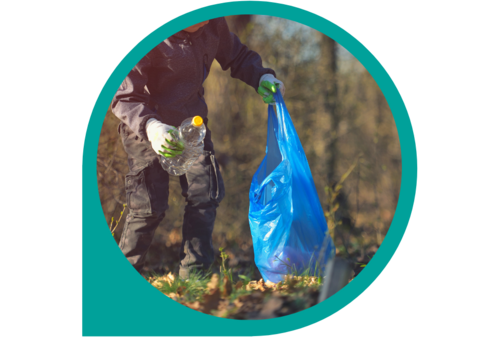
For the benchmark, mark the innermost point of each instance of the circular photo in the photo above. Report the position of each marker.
(249, 167)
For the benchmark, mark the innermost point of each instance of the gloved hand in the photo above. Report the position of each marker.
(269, 85)
(164, 138)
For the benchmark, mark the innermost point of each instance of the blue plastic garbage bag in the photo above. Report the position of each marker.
(289, 230)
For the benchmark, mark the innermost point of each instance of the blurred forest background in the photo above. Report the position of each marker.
(341, 117)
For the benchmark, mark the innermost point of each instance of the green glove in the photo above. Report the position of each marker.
(164, 138)
(265, 90)
(268, 86)
(176, 146)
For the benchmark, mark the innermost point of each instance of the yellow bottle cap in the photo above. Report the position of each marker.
(197, 121)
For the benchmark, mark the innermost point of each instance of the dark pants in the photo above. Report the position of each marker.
(146, 188)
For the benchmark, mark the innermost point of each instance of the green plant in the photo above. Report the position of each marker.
(224, 271)
(364, 264)
(191, 289)
(312, 269)
(244, 278)
(248, 276)
(116, 221)
(332, 194)
(291, 268)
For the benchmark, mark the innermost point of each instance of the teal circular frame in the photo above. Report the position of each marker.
(130, 306)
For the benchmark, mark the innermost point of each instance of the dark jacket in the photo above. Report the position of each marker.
(167, 83)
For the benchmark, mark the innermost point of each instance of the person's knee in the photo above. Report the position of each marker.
(147, 192)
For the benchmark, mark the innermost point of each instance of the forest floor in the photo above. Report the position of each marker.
(240, 292)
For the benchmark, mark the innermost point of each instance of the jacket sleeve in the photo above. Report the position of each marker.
(131, 101)
(244, 63)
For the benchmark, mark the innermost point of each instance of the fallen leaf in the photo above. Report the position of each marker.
(170, 278)
(271, 306)
(248, 305)
(271, 285)
(251, 285)
(237, 302)
(256, 285)
(195, 305)
(257, 295)
(220, 313)
(157, 284)
(227, 287)
(224, 305)
(291, 281)
(261, 288)
(213, 284)
(211, 301)
(181, 290)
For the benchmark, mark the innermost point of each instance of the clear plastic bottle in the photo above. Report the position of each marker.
(191, 132)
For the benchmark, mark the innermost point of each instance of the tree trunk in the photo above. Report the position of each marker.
(330, 93)
(329, 73)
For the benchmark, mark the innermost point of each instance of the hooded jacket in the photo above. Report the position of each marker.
(167, 83)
